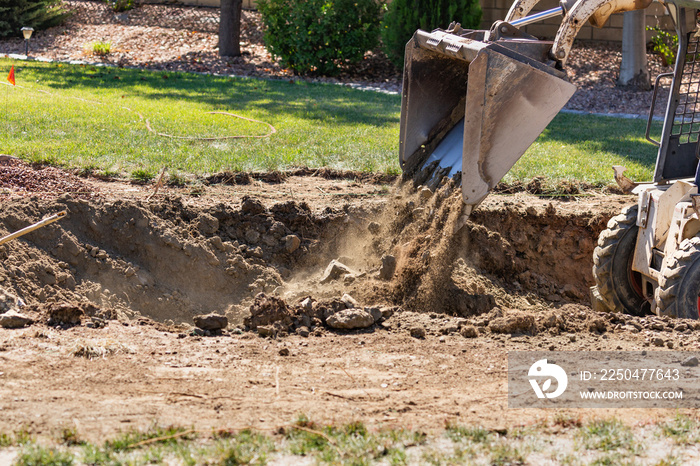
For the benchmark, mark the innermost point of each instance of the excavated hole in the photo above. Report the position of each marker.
(167, 260)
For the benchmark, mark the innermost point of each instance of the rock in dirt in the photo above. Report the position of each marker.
(350, 319)
(469, 331)
(8, 301)
(388, 267)
(291, 243)
(13, 319)
(374, 227)
(514, 323)
(334, 271)
(425, 193)
(284, 352)
(417, 332)
(690, 362)
(375, 312)
(349, 301)
(658, 341)
(266, 330)
(211, 322)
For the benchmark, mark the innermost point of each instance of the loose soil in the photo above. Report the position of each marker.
(113, 288)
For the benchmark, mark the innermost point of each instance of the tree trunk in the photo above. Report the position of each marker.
(230, 28)
(633, 69)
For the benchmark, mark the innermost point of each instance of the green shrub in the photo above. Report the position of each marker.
(403, 17)
(38, 14)
(665, 44)
(320, 36)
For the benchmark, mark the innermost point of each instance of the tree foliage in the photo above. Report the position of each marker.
(403, 17)
(320, 36)
(38, 14)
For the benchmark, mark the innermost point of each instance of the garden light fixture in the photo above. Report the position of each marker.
(27, 33)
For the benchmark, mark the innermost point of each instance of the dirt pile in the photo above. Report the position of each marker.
(162, 260)
(172, 259)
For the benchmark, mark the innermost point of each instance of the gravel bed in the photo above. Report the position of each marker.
(149, 37)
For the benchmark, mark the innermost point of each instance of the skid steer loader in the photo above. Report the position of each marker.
(474, 100)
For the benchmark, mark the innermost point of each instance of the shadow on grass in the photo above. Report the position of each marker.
(618, 136)
(322, 102)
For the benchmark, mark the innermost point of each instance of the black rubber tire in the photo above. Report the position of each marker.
(619, 287)
(679, 286)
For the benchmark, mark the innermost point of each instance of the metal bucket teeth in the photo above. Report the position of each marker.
(474, 107)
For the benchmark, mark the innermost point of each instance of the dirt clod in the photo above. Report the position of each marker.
(66, 313)
(417, 332)
(291, 243)
(514, 322)
(267, 311)
(388, 267)
(469, 331)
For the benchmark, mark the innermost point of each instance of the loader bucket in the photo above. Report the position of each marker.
(473, 107)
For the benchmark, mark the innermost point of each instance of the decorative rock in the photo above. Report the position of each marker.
(349, 301)
(417, 332)
(350, 319)
(211, 322)
(469, 331)
(690, 362)
(386, 271)
(291, 243)
(13, 319)
(334, 271)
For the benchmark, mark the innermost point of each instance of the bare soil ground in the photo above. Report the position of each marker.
(112, 290)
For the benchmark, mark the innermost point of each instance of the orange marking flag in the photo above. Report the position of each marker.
(11, 76)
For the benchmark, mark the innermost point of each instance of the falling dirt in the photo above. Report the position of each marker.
(344, 300)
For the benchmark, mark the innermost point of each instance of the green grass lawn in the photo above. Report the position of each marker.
(317, 125)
